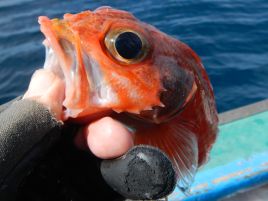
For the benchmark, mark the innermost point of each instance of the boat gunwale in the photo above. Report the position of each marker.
(243, 112)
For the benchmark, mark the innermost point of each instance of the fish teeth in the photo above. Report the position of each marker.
(134, 111)
(148, 108)
(117, 110)
(163, 89)
(46, 43)
(161, 104)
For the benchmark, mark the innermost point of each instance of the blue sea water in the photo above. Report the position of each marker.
(230, 36)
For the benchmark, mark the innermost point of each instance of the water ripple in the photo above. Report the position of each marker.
(229, 35)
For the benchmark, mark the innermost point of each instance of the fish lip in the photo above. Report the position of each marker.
(52, 43)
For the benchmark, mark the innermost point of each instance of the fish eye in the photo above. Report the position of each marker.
(126, 46)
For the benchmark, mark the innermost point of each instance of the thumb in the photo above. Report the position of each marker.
(48, 89)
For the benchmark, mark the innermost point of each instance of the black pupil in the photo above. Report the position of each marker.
(128, 45)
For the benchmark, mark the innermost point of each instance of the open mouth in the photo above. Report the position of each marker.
(85, 87)
(60, 59)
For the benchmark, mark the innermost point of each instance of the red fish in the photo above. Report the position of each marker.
(114, 64)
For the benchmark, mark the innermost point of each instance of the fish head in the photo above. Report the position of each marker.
(111, 61)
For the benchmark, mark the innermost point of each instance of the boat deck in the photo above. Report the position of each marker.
(238, 161)
(256, 194)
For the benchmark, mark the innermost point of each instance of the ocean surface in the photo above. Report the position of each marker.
(230, 36)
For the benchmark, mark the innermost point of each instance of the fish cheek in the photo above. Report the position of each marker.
(179, 87)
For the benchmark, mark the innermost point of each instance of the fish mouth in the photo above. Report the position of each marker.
(59, 59)
(85, 87)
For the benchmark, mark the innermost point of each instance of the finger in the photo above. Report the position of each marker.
(47, 88)
(106, 138)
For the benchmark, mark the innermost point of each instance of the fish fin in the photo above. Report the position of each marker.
(184, 157)
(180, 144)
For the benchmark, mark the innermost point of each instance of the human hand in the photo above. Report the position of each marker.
(40, 114)
(106, 137)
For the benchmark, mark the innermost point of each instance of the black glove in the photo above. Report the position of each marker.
(144, 173)
(27, 131)
(29, 137)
